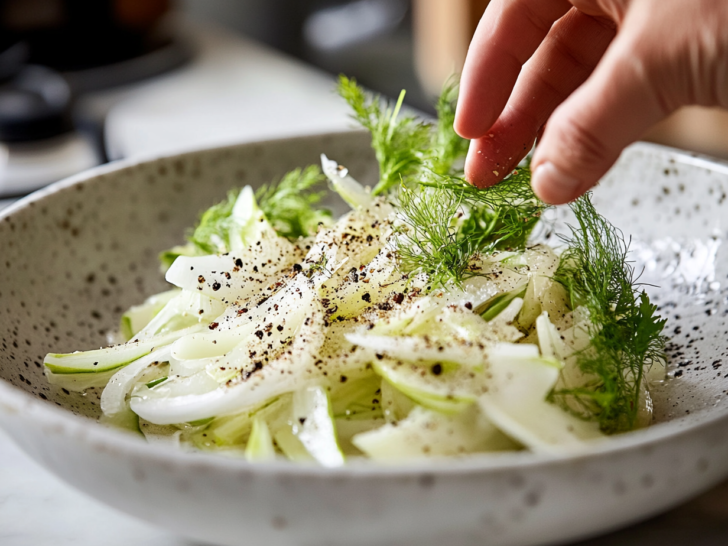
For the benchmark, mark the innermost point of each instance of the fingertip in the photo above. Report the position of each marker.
(467, 125)
(496, 155)
(474, 113)
(554, 186)
(460, 127)
(478, 168)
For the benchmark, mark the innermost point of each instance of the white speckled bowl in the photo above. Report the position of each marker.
(74, 255)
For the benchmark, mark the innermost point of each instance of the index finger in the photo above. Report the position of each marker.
(507, 35)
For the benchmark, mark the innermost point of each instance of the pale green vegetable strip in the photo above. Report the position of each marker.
(347, 429)
(357, 399)
(230, 431)
(185, 308)
(178, 386)
(113, 399)
(271, 381)
(422, 349)
(294, 303)
(314, 426)
(508, 315)
(167, 257)
(516, 402)
(260, 444)
(237, 276)
(395, 404)
(138, 316)
(549, 339)
(248, 221)
(441, 387)
(110, 358)
(426, 433)
(500, 303)
(291, 446)
(349, 189)
(79, 382)
(234, 430)
(353, 295)
(125, 420)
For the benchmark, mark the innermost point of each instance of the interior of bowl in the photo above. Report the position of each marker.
(672, 205)
(74, 257)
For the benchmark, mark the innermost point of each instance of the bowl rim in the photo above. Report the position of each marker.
(14, 401)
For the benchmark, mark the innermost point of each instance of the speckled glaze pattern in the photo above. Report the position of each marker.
(73, 256)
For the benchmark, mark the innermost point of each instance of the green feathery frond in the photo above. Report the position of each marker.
(448, 148)
(289, 205)
(448, 222)
(625, 331)
(210, 235)
(505, 213)
(430, 242)
(398, 141)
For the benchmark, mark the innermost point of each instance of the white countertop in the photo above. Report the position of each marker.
(37, 509)
(234, 90)
(241, 91)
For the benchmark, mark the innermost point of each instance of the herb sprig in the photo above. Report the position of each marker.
(625, 331)
(448, 222)
(398, 141)
(447, 147)
(504, 214)
(210, 235)
(430, 241)
(289, 205)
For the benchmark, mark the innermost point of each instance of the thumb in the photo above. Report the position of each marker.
(587, 133)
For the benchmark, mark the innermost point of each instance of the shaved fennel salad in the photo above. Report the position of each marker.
(425, 322)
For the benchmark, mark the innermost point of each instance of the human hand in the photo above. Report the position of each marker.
(600, 71)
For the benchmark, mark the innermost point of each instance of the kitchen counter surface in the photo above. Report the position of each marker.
(36, 508)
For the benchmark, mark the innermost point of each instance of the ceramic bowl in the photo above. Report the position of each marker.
(73, 256)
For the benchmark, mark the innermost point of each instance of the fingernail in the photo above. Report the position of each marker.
(553, 185)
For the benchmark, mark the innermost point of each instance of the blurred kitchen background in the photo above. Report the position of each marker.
(83, 82)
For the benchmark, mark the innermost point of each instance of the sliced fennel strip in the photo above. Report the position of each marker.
(113, 398)
(110, 358)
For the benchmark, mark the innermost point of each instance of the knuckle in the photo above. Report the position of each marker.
(652, 73)
(582, 147)
(611, 11)
(655, 74)
(688, 68)
(535, 18)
